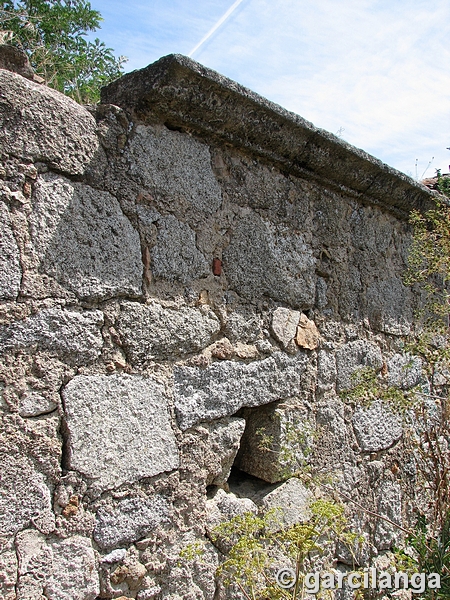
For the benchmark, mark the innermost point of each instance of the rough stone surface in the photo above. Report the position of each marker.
(84, 241)
(292, 498)
(35, 564)
(39, 123)
(129, 520)
(353, 356)
(308, 335)
(376, 427)
(151, 331)
(74, 575)
(266, 260)
(33, 404)
(16, 60)
(326, 370)
(154, 264)
(390, 506)
(334, 443)
(243, 325)
(72, 336)
(277, 440)
(118, 428)
(175, 167)
(10, 270)
(223, 507)
(115, 556)
(389, 306)
(189, 95)
(8, 570)
(404, 371)
(225, 437)
(223, 388)
(284, 324)
(175, 256)
(25, 496)
(57, 570)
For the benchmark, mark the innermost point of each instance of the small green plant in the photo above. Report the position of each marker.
(427, 554)
(443, 183)
(260, 544)
(193, 551)
(368, 386)
(292, 448)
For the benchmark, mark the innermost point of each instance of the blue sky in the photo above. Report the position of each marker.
(376, 72)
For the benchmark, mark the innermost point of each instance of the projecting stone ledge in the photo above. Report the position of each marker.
(181, 93)
(225, 387)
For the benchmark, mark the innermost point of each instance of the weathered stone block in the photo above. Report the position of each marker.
(376, 428)
(390, 306)
(308, 335)
(8, 570)
(176, 167)
(353, 356)
(390, 506)
(225, 437)
(175, 256)
(10, 270)
(39, 123)
(333, 443)
(16, 60)
(292, 498)
(326, 370)
(33, 404)
(267, 260)
(72, 336)
(151, 331)
(225, 387)
(129, 520)
(74, 570)
(405, 371)
(277, 441)
(25, 497)
(118, 429)
(243, 325)
(35, 564)
(284, 324)
(223, 507)
(84, 241)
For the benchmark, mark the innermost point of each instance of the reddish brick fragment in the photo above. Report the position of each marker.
(217, 266)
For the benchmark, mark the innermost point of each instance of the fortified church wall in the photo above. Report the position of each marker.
(183, 268)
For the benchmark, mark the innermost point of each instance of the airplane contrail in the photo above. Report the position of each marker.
(216, 26)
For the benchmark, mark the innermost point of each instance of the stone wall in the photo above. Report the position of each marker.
(181, 268)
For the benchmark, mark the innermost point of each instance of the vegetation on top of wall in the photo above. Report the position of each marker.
(426, 408)
(53, 35)
(429, 269)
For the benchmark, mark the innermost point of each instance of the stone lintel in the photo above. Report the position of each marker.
(185, 95)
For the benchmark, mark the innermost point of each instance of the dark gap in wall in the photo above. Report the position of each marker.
(259, 448)
(173, 127)
(244, 485)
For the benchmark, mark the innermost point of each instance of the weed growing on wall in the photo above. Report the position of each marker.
(260, 544)
(425, 408)
(292, 451)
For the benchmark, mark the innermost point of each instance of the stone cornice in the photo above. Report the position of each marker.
(185, 95)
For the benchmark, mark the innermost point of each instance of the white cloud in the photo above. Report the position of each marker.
(377, 68)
